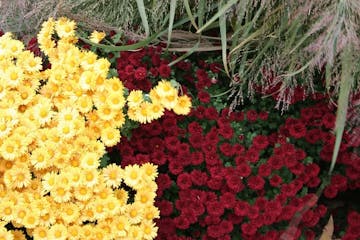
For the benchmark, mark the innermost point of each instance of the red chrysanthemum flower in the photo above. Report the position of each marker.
(255, 182)
(184, 181)
(140, 73)
(164, 70)
(215, 208)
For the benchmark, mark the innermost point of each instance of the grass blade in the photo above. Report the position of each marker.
(142, 12)
(222, 25)
(346, 83)
(220, 12)
(185, 55)
(190, 15)
(171, 20)
(201, 12)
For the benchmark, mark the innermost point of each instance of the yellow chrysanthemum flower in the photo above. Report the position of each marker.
(156, 110)
(150, 213)
(120, 226)
(96, 36)
(106, 112)
(88, 59)
(83, 193)
(74, 232)
(183, 105)
(102, 66)
(6, 235)
(164, 88)
(170, 100)
(122, 195)
(14, 76)
(7, 210)
(43, 111)
(134, 212)
(69, 212)
(90, 177)
(133, 175)
(65, 28)
(14, 47)
(18, 234)
(114, 85)
(150, 171)
(116, 101)
(18, 176)
(149, 230)
(89, 160)
(113, 175)
(58, 232)
(135, 98)
(60, 192)
(110, 136)
(41, 233)
(27, 61)
(40, 158)
(143, 113)
(145, 197)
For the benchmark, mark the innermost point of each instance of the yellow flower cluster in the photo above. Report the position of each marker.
(54, 127)
(145, 108)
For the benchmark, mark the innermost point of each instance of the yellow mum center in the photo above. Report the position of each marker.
(69, 211)
(32, 63)
(149, 216)
(60, 192)
(115, 87)
(58, 234)
(31, 220)
(143, 199)
(42, 233)
(43, 113)
(66, 130)
(9, 149)
(115, 101)
(24, 95)
(112, 175)
(89, 177)
(107, 111)
(147, 230)
(83, 191)
(8, 211)
(133, 213)
(68, 117)
(67, 29)
(90, 60)
(133, 175)
(99, 208)
(120, 226)
(40, 158)
(2, 127)
(21, 214)
(14, 76)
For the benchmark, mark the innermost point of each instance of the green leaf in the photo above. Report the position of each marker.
(112, 73)
(182, 57)
(142, 12)
(104, 160)
(201, 12)
(171, 20)
(346, 83)
(190, 15)
(220, 12)
(222, 25)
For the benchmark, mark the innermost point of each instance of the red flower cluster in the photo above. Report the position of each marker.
(353, 229)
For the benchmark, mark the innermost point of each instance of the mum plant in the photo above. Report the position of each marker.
(252, 173)
(54, 126)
